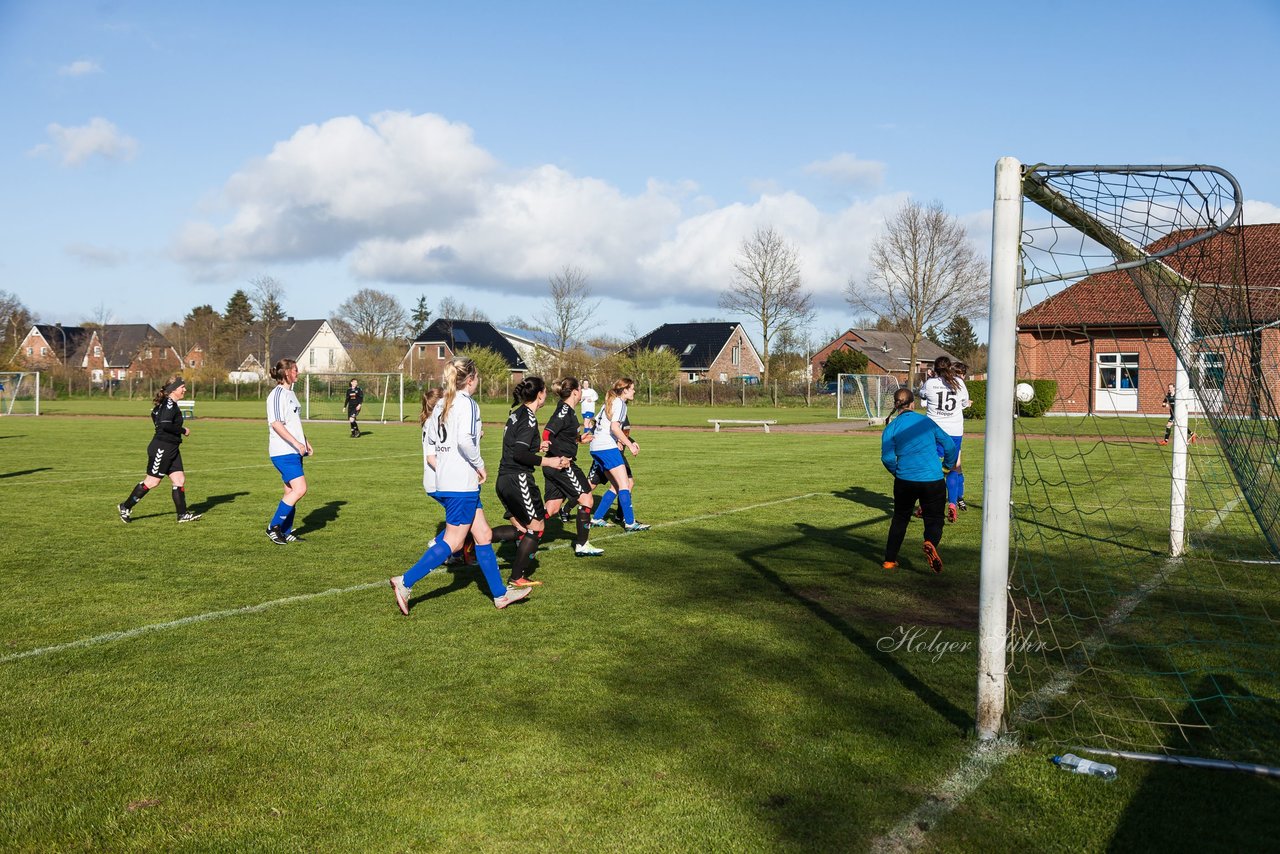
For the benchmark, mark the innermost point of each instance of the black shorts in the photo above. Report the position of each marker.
(520, 496)
(351, 412)
(163, 458)
(565, 485)
(600, 477)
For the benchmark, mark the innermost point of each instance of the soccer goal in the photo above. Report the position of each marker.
(1130, 588)
(19, 392)
(324, 396)
(868, 396)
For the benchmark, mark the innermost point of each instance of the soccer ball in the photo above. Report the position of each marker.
(1024, 392)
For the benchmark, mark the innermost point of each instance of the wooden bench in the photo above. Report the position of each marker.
(737, 422)
(187, 408)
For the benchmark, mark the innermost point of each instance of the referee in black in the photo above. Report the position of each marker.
(355, 400)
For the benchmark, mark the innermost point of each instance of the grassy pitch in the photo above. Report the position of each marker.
(731, 680)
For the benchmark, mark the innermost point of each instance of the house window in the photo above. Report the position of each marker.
(97, 352)
(311, 357)
(693, 377)
(29, 350)
(164, 354)
(1118, 371)
(736, 355)
(331, 357)
(421, 349)
(440, 352)
(1210, 372)
(146, 354)
(44, 351)
(193, 363)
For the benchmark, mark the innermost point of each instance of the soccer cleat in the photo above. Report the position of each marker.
(962, 505)
(402, 594)
(635, 526)
(276, 536)
(1192, 438)
(932, 556)
(125, 513)
(1163, 442)
(952, 513)
(587, 550)
(514, 594)
(890, 564)
(189, 517)
(598, 523)
(524, 582)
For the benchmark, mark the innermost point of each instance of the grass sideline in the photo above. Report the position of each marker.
(717, 683)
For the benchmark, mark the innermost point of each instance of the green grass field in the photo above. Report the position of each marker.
(722, 682)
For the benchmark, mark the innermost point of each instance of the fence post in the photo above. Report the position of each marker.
(680, 394)
(650, 382)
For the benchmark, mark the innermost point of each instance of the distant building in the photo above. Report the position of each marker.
(311, 343)
(116, 351)
(716, 351)
(445, 338)
(887, 353)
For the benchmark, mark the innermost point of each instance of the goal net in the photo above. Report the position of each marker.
(1130, 598)
(864, 396)
(19, 393)
(324, 396)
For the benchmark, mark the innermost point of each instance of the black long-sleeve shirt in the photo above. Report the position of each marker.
(520, 443)
(168, 420)
(564, 433)
(355, 397)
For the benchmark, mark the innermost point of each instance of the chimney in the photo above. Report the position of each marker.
(289, 319)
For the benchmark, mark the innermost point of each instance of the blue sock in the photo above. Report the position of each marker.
(430, 559)
(955, 486)
(288, 520)
(624, 500)
(606, 501)
(489, 566)
(282, 513)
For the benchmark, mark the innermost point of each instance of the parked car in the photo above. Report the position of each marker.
(744, 379)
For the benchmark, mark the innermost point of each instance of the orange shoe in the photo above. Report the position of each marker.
(524, 582)
(1162, 442)
(932, 556)
(952, 513)
(890, 564)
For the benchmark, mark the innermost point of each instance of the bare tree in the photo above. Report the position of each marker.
(373, 316)
(924, 271)
(451, 309)
(766, 288)
(15, 320)
(268, 291)
(102, 316)
(568, 308)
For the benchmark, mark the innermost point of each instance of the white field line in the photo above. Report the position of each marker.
(129, 634)
(909, 833)
(124, 473)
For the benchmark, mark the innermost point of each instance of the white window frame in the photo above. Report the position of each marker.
(440, 352)
(1116, 397)
(311, 357)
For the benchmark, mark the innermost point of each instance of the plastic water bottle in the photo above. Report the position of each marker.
(1071, 762)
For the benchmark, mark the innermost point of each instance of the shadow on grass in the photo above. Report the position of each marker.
(1234, 810)
(14, 436)
(319, 517)
(24, 472)
(213, 501)
(867, 498)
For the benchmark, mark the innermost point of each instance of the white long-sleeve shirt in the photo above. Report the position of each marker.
(603, 439)
(945, 405)
(457, 445)
(283, 406)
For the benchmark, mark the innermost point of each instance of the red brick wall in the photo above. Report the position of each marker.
(749, 360)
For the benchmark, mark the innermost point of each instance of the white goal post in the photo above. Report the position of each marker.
(326, 394)
(864, 396)
(19, 392)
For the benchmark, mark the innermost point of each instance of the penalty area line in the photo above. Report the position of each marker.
(129, 634)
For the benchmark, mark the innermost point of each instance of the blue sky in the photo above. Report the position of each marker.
(159, 155)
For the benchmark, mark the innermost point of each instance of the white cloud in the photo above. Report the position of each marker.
(96, 256)
(1256, 212)
(413, 198)
(79, 68)
(846, 168)
(75, 145)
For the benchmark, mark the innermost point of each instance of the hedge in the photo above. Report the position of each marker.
(1046, 394)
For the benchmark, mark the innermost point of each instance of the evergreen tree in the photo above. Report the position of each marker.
(420, 317)
(237, 323)
(932, 334)
(959, 340)
(844, 361)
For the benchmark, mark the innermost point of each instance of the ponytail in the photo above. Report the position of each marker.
(566, 387)
(430, 398)
(171, 385)
(945, 371)
(277, 372)
(614, 393)
(902, 400)
(455, 376)
(526, 391)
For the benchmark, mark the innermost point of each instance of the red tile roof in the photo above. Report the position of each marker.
(1112, 299)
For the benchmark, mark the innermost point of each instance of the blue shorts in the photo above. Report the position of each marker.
(942, 452)
(587, 414)
(289, 466)
(609, 459)
(459, 507)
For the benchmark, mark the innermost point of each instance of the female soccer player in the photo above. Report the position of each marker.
(909, 450)
(453, 432)
(163, 457)
(588, 398)
(1170, 398)
(516, 486)
(355, 400)
(945, 398)
(562, 438)
(287, 445)
(606, 442)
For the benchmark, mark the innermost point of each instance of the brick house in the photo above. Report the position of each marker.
(313, 344)
(444, 338)
(888, 353)
(116, 351)
(195, 358)
(1100, 340)
(717, 351)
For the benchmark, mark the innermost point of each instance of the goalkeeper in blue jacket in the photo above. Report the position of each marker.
(909, 450)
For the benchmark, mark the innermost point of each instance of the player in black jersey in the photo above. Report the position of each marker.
(163, 457)
(516, 487)
(569, 485)
(355, 400)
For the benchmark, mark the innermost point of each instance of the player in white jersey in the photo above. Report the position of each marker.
(589, 398)
(453, 432)
(606, 445)
(945, 398)
(287, 445)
